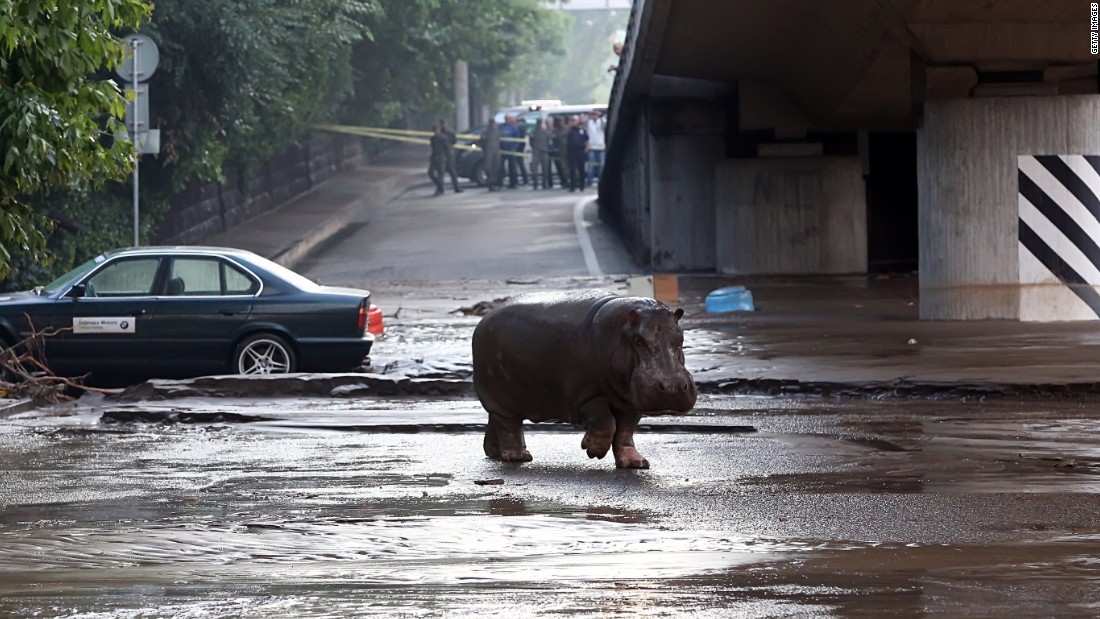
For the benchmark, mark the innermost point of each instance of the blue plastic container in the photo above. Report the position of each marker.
(732, 299)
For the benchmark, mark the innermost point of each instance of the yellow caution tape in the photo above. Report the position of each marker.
(404, 135)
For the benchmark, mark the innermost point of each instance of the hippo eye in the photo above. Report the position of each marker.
(639, 341)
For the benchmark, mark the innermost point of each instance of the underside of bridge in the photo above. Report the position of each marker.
(802, 136)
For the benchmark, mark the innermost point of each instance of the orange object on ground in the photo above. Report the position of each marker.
(374, 321)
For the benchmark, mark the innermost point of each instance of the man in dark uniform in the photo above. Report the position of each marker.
(540, 156)
(576, 148)
(521, 160)
(510, 146)
(438, 160)
(451, 141)
(490, 143)
(561, 133)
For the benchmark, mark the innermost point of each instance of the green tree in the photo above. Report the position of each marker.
(53, 118)
(405, 71)
(542, 66)
(587, 41)
(241, 80)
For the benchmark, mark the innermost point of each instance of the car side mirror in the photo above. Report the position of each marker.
(77, 292)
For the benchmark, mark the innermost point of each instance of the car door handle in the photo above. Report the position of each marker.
(228, 312)
(136, 312)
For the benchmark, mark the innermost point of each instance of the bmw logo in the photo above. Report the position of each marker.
(125, 324)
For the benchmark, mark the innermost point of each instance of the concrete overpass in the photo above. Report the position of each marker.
(800, 136)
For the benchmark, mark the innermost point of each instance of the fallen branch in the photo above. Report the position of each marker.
(25, 373)
(481, 307)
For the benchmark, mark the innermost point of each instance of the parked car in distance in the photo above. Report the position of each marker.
(527, 106)
(188, 311)
(534, 117)
(470, 163)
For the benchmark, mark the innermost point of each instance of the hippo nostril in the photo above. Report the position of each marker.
(661, 386)
(683, 386)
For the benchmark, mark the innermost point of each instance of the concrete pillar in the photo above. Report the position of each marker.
(1008, 208)
(686, 138)
(628, 209)
(462, 96)
(791, 215)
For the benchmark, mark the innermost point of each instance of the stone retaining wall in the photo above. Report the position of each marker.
(202, 211)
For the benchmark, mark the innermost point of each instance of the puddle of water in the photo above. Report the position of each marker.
(487, 566)
(239, 521)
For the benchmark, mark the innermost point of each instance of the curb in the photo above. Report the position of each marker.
(1085, 391)
(358, 385)
(289, 256)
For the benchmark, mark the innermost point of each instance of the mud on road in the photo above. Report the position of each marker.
(386, 506)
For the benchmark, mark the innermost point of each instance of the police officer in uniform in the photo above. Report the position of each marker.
(450, 164)
(576, 147)
(540, 156)
(438, 160)
(490, 143)
(561, 134)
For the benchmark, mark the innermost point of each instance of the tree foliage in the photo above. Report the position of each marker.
(405, 71)
(52, 117)
(579, 75)
(238, 81)
(243, 78)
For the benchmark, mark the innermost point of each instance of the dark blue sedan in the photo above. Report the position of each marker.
(189, 311)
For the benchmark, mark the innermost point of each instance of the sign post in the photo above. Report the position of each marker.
(139, 65)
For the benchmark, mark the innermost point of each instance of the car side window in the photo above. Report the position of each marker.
(194, 277)
(124, 278)
(207, 277)
(236, 282)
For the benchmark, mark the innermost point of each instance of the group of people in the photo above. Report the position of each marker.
(571, 146)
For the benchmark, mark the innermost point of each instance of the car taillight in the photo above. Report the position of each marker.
(362, 317)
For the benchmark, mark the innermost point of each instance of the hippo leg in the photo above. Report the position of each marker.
(492, 441)
(504, 440)
(626, 456)
(599, 427)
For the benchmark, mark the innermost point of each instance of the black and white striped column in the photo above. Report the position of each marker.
(1059, 237)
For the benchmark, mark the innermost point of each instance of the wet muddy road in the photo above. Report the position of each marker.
(754, 507)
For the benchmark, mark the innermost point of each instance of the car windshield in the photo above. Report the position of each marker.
(70, 277)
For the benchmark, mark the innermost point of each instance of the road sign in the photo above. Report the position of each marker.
(142, 56)
(140, 101)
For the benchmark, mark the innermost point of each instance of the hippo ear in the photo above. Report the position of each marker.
(632, 316)
(679, 313)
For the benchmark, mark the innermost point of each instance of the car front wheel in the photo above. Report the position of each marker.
(480, 176)
(264, 354)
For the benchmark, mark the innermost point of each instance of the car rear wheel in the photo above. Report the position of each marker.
(264, 353)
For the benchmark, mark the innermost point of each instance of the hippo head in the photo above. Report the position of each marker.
(650, 352)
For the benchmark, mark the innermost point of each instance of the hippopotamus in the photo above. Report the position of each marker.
(591, 358)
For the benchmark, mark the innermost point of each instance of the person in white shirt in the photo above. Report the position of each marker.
(597, 128)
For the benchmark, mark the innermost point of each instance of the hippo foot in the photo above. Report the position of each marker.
(629, 458)
(521, 455)
(595, 446)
